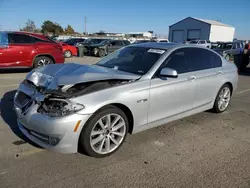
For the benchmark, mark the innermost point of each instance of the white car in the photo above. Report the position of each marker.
(204, 43)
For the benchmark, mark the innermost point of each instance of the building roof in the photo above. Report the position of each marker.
(210, 22)
(137, 33)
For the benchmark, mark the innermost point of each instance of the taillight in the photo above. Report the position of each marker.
(59, 47)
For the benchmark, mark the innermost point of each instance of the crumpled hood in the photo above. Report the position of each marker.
(54, 75)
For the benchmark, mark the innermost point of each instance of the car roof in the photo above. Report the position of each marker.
(157, 45)
(38, 35)
(165, 45)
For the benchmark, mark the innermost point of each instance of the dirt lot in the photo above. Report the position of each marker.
(204, 150)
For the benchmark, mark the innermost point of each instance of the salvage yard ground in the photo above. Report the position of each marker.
(204, 150)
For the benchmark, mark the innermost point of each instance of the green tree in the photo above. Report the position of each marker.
(29, 26)
(51, 27)
(69, 30)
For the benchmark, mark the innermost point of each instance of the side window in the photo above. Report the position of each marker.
(81, 40)
(234, 45)
(238, 45)
(177, 61)
(20, 39)
(112, 43)
(125, 42)
(215, 59)
(202, 59)
(118, 43)
(3, 39)
(202, 42)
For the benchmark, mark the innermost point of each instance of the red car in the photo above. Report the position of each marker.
(68, 50)
(23, 50)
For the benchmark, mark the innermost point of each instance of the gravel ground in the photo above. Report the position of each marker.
(204, 150)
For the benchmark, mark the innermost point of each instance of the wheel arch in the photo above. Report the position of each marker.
(125, 109)
(231, 86)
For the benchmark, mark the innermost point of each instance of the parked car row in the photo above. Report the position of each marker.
(98, 47)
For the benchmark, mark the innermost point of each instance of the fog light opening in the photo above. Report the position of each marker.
(53, 141)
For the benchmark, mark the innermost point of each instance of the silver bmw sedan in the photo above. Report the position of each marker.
(93, 107)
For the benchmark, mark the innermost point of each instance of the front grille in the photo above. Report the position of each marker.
(21, 99)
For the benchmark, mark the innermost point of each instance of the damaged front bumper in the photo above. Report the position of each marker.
(59, 134)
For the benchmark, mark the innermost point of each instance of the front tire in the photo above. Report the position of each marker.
(42, 61)
(223, 99)
(104, 133)
(227, 57)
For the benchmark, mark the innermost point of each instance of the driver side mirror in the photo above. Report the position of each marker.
(168, 73)
(4, 46)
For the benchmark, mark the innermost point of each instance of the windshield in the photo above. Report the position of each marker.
(193, 42)
(137, 60)
(225, 45)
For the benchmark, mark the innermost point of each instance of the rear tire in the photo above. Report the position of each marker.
(67, 54)
(223, 99)
(101, 53)
(103, 139)
(42, 61)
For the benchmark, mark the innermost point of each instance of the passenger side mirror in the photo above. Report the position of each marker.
(168, 73)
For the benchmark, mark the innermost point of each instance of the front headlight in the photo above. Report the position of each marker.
(59, 107)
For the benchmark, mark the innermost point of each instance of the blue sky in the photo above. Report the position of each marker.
(126, 15)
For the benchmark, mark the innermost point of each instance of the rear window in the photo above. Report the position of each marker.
(193, 42)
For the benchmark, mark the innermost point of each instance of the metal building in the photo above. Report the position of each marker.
(192, 28)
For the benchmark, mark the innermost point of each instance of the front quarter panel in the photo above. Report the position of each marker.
(133, 95)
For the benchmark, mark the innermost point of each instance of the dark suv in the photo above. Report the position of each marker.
(107, 47)
(22, 49)
(74, 41)
(88, 42)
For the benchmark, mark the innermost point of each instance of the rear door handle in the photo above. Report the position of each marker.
(191, 78)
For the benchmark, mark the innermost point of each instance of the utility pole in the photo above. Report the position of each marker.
(85, 25)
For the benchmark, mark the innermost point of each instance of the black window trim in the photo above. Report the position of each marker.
(164, 62)
(33, 37)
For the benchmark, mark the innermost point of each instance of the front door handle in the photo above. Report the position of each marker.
(219, 72)
(191, 78)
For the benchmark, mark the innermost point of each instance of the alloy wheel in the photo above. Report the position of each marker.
(67, 54)
(224, 98)
(108, 133)
(43, 62)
